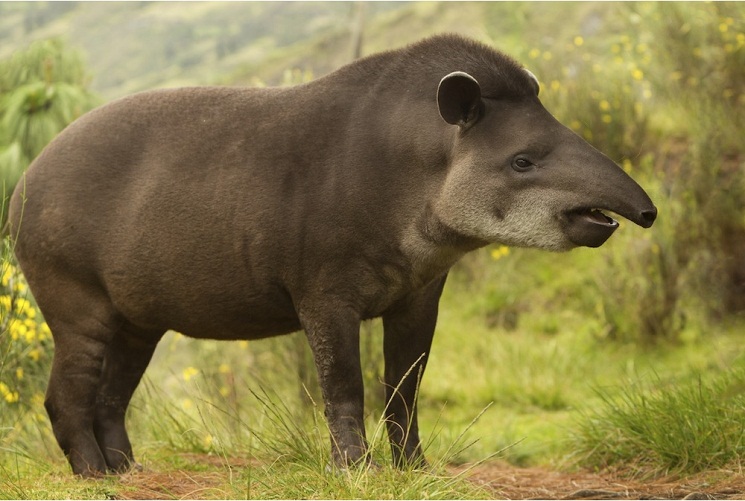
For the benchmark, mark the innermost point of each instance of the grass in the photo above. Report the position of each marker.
(662, 428)
(538, 392)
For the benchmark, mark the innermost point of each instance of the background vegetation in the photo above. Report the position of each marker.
(627, 357)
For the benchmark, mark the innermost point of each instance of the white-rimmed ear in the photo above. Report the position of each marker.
(534, 79)
(459, 99)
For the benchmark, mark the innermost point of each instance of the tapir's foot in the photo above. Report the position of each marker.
(87, 465)
(85, 470)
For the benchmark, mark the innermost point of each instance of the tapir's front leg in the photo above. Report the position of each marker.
(333, 331)
(409, 326)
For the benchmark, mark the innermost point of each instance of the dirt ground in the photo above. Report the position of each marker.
(510, 482)
(506, 482)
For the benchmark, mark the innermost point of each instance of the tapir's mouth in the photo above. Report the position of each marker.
(589, 227)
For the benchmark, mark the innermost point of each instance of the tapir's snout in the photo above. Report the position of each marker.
(591, 227)
(648, 217)
(607, 188)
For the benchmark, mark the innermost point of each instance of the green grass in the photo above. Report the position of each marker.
(663, 427)
(538, 393)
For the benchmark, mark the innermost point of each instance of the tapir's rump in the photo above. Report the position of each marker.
(239, 213)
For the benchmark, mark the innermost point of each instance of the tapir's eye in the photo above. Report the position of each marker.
(521, 164)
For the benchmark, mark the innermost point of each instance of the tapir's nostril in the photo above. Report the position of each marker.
(649, 216)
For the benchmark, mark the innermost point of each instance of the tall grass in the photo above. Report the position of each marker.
(284, 447)
(667, 428)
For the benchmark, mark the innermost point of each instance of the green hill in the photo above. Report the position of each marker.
(131, 46)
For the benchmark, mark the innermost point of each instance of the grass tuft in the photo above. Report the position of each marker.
(683, 428)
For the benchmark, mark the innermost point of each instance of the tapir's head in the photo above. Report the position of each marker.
(519, 177)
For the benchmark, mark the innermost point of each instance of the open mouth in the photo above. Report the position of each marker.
(589, 227)
(593, 216)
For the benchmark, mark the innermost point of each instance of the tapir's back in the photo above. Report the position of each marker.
(162, 192)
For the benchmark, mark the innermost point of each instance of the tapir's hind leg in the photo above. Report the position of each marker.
(126, 359)
(80, 347)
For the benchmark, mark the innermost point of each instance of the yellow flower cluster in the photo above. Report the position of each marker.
(24, 337)
(500, 252)
(9, 396)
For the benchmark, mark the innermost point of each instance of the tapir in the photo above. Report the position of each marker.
(243, 213)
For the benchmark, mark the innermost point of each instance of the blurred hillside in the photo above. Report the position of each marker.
(131, 46)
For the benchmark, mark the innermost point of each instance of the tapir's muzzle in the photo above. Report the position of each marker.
(591, 227)
(608, 189)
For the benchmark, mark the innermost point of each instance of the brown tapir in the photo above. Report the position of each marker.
(238, 213)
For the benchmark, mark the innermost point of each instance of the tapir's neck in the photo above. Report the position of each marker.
(432, 247)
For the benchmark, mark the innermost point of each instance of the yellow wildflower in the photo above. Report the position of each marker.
(637, 74)
(606, 118)
(578, 41)
(534, 53)
(604, 105)
(10, 396)
(34, 355)
(500, 252)
(189, 373)
(17, 330)
(30, 336)
(7, 274)
(19, 373)
(223, 369)
(44, 331)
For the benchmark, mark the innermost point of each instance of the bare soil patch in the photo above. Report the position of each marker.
(504, 480)
(510, 482)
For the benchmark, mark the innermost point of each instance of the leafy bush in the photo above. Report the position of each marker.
(657, 87)
(42, 89)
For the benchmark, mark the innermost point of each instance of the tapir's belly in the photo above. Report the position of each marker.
(207, 312)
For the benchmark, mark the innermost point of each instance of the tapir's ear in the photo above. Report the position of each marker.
(459, 99)
(534, 79)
